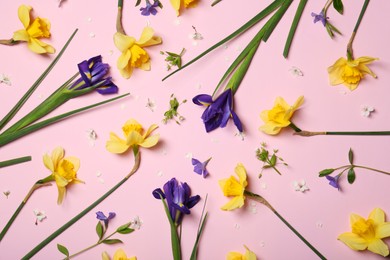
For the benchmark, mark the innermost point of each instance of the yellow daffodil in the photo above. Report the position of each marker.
(64, 170)
(121, 255)
(249, 255)
(178, 4)
(350, 72)
(368, 234)
(34, 29)
(134, 136)
(133, 52)
(279, 116)
(232, 187)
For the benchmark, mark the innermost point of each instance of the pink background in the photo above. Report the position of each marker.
(320, 214)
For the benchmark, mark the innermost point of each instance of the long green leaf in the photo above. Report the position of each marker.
(200, 231)
(265, 12)
(7, 138)
(294, 26)
(276, 19)
(31, 90)
(15, 161)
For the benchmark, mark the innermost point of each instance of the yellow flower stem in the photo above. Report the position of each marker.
(260, 199)
(349, 46)
(37, 185)
(119, 26)
(15, 161)
(137, 161)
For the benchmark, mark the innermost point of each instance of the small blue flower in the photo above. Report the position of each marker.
(178, 197)
(334, 181)
(218, 111)
(100, 216)
(149, 9)
(199, 167)
(319, 17)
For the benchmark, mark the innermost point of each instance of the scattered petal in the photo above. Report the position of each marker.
(101, 180)
(151, 104)
(296, 72)
(159, 173)
(237, 226)
(164, 152)
(177, 22)
(92, 136)
(198, 86)
(5, 80)
(136, 223)
(262, 243)
(123, 106)
(366, 110)
(92, 35)
(39, 216)
(300, 186)
(98, 173)
(189, 155)
(89, 19)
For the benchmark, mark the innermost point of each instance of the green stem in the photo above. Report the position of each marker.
(269, 9)
(31, 90)
(119, 26)
(7, 138)
(260, 199)
(310, 133)
(9, 42)
(326, 7)
(294, 127)
(273, 167)
(294, 26)
(349, 46)
(36, 186)
(371, 169)
(85, 211)
(15, 161)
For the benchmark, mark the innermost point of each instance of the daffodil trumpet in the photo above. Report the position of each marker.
(135, 141)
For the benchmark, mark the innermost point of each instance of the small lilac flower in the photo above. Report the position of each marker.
(319, 17)
(334, 181)
(200, 168)
(100, 216)
(178, 197)
(217, 111)
(92, 73)
(149, 9)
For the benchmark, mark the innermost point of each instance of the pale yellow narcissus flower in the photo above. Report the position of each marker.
(134, 136)
(368, 234)
(178, 4)
(232, 187)
(279, 116)
(64, 170)
(350, 72)
(249, 255)
(33, 31)
(119, 255)
(133, 52)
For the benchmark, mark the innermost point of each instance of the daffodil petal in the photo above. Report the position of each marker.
(176, 5)
(145, 66)
(270, 129)
(116, 144)
(57, 155)
(298, 103)
(281, 102)
(126, 72)
(249, 255)
(39, 47)
(60, 181)
(120, 254)
(366, 70)
(241, 173)
(61, 194)
(150, 141)
(366, 59)
(134, 138)
(21, 35)
(234, 256)
(24, 15)
(355, 218)
(147, 38)
(47, 161)
(378, 247)
(123, 42)
(123, 60)
(236, 202)
(377, 215)
(383, 230)
(352, 240)
(150, 130)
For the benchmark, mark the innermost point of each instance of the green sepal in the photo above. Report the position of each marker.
(338, 5)
(326, 172)
(99, 230)
(63, 250)
(350, 156)
(351, 175)
(112, 241)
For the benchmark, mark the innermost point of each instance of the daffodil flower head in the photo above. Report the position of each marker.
(350, 72)
(180, 4)
(34, 29)
(133, 53)
(279, 116)
(249, 255)
(120, 254)
(231, 187)
(368, 233)
(134, 135)
(64, 170)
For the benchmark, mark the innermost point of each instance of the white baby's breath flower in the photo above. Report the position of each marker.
(366, 111)
(5, 79)
(136, 223)
(39, 216)
(296, 72)
(151, 104)
(300, 186)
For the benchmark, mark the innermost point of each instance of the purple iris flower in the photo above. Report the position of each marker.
(92, 73)
(178, 197)
(319, 17)
(200, 168)
(149, 9)
(100, 216)
(217, 111)
(334, 181)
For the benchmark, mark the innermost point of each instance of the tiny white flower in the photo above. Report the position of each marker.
(296, 71)
(39, 216)
(136, 223)
(366, 111)
(196, 35)
(300, 186)
(5, 79)
(151, 104)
